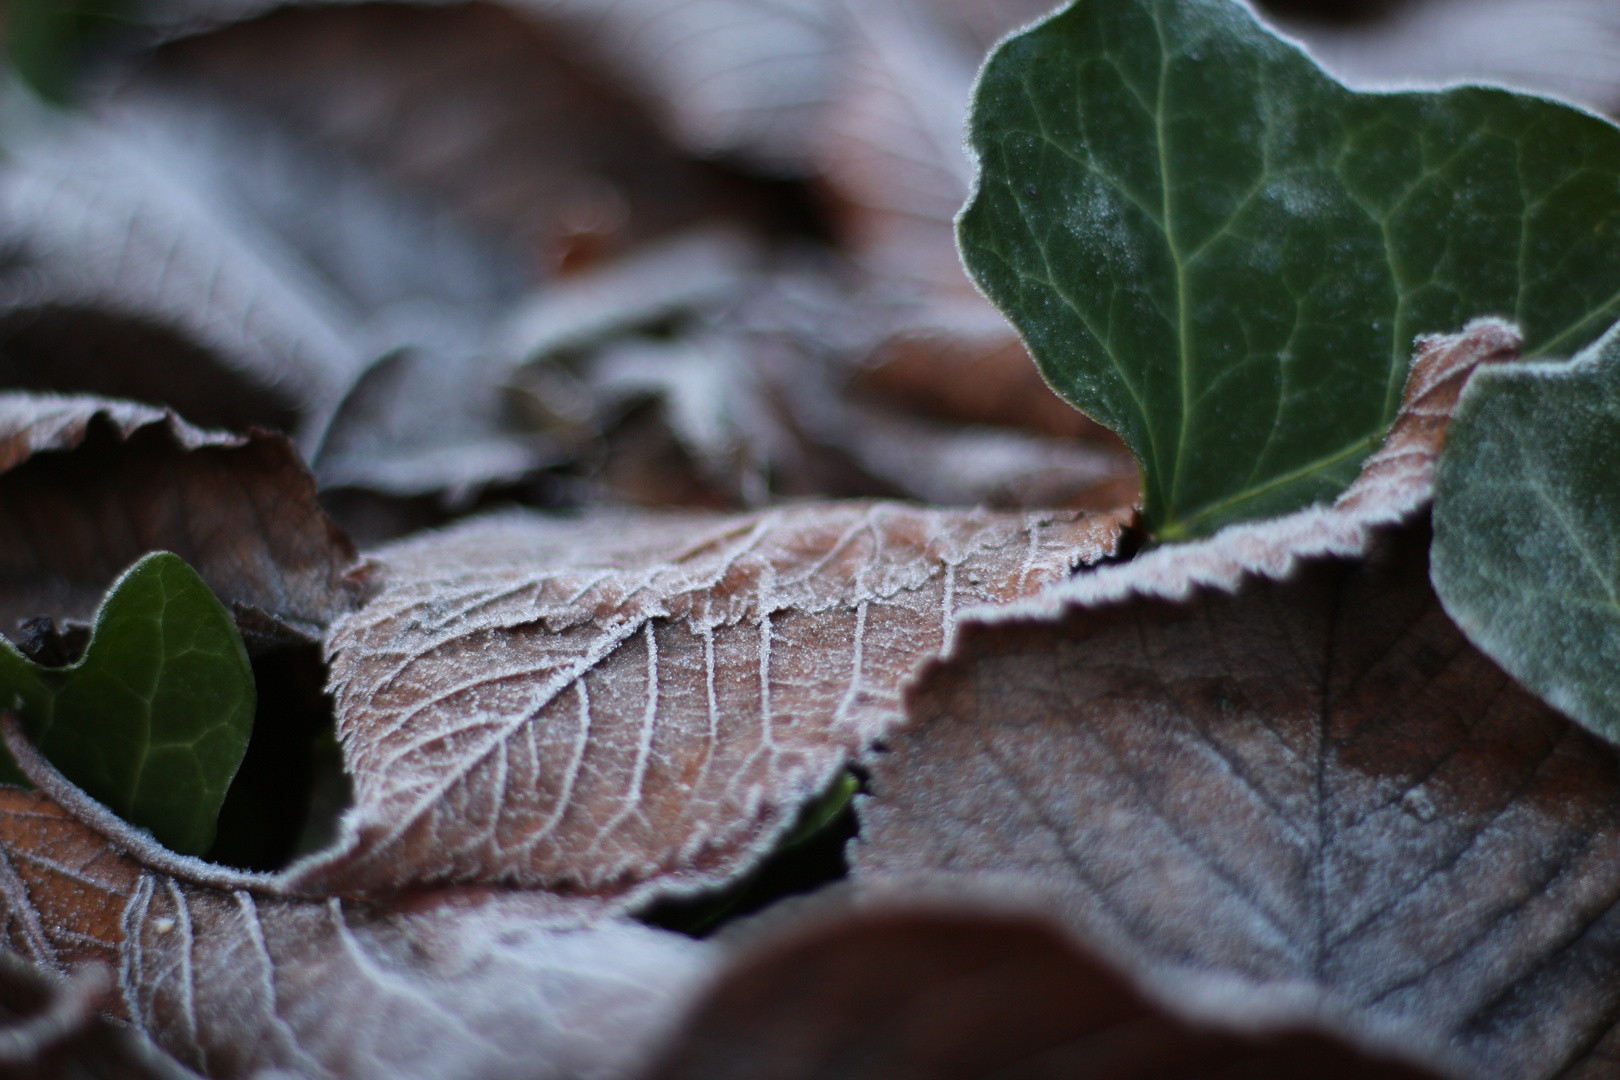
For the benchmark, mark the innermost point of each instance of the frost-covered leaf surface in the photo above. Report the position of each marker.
(1317, 780)
(1527, 528)
(230, 979)
(154, 718)
(117, 214)
(1219, 252)
(216, 243)
(628, 705)
(909, 984)
(1270, 754)
(89, 486)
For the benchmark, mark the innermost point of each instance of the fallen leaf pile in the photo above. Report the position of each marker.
(582, 412)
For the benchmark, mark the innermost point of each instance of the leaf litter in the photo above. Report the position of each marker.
(469, 919)
(1272, 755)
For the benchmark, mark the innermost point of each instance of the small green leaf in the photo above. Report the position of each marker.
(44, 38)
(154, 719)
(1218, 251)
(1526, 552)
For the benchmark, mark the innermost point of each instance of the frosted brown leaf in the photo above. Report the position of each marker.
(626, 706)
(1270, 754)
(230, 977)
(88, 485)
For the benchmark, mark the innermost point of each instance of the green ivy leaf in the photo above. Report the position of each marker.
(1526, 553)
(154, 719)
(44, 38)
(1218, 251)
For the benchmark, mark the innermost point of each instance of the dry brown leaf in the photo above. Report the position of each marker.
(231, 977)
(218, 238)
(243, 269)
(911, 987)
(891, 145)
(963, 361)
(1562, 48)
(738, 78)
(1318, 780)
(87, 486)
(508, 125)
(1267, 756)
(628, 706)
(894, 164)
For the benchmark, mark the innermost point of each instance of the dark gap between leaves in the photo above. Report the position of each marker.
(794, 868)
(1334, 11)
(76, 351)
(291, 788)
(1132, 539)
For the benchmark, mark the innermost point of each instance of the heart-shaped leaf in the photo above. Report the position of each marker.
(1527, 528)
(1218, 251)
(154, 719)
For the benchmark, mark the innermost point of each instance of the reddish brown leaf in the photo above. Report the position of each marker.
(480, 987)
(230, 975)
(87, 486)
(623, 706)
(924, 990)
(62, 888)
(962, 361)
(1264, 755)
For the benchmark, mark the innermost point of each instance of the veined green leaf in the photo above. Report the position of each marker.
(1223, 254)
(1527, 528)
(155, 717)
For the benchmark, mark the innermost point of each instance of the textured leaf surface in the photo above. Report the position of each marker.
(1270, 754)
(1219, 252)
(1318, 780)
(154, 719)
(236, 248)
(87, 486)
(913, 986)
(230, 979)
(1527, 529)
(629, 705)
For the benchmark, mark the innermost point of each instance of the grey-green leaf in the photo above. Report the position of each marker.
(1527, 528)
(154, 718)
(1225, 255)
